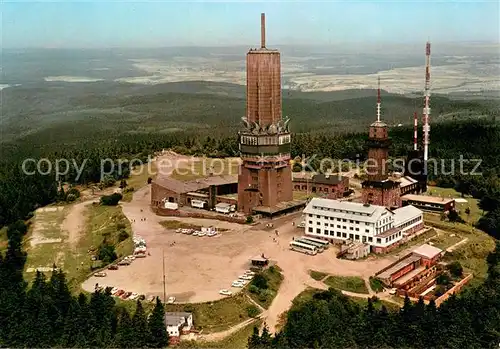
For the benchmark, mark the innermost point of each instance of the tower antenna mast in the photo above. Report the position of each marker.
(379, 100)
(415, 131)
(427, 96)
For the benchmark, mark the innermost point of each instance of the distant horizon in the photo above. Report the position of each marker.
(113, 24)
(248, 46)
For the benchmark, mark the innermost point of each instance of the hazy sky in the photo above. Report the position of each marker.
(168, 23)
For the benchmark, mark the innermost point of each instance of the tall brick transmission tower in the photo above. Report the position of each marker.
(265, 178)
(378, 189)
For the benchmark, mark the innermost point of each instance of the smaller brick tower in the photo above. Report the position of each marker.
(378, 189)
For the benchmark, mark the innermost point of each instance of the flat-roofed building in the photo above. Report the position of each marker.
(416, 265)
(429, 203)
(339, 221)
(211, 190)
(430, 254)
(409, 219)
(409, 185)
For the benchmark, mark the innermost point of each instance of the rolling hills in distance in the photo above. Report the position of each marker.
(201, 105)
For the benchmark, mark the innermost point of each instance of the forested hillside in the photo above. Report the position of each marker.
(202, 107)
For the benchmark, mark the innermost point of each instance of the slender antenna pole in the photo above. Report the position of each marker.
(164, 283)
(262, 30)
(379, 100)
(415, 131)
(427, 96)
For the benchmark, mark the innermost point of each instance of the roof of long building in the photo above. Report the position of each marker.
(406, 213)
(427, 199)
(194, 185)
(427, 251)
(345, 209)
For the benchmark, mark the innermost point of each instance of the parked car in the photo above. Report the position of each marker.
(151, 299)
(113, 267)
(249, 272)
(133, 296)
(225, 292)
(119, 293)
(211, 234)
(126, 295)
(195, 233)
(140, 255)
(124, 262)
(200, 233)
(237, 284)
(170, 300)
(178, 230)
(100, 274)
(246, 277)
(130, 258)
(114, 290)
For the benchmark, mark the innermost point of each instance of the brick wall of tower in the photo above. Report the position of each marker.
(263, 86)
(377, 164)
(269, 187)
(382, 197)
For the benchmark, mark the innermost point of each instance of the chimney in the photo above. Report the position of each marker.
(262, 30)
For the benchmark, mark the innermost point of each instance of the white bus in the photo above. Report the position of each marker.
(324, 243)
(198, 203)
(304, 248)
(318, 246)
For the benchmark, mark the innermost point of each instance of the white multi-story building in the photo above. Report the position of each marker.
(336, 220)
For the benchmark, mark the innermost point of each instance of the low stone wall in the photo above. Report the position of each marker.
(438, 301)
(453, 290)
(180, 213)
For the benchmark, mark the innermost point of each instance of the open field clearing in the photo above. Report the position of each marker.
(218, 315)
(139, 179)
(62, 236)
(347, 283)
(237, 340)
(472, 204)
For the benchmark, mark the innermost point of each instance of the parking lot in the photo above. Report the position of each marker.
(197, 268)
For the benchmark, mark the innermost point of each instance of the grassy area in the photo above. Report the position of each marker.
(264, 287)
(204, 166)
(472, 204)
(46, 225)
(472, 255)
(308, 294)
(419, 240)
(101, 222)
(317, 275)
(444, 239)
(347, 283)
(237, 340)
(106, 222)
(376, 284)
(139, 179)
(219, 315)
(174, 224)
